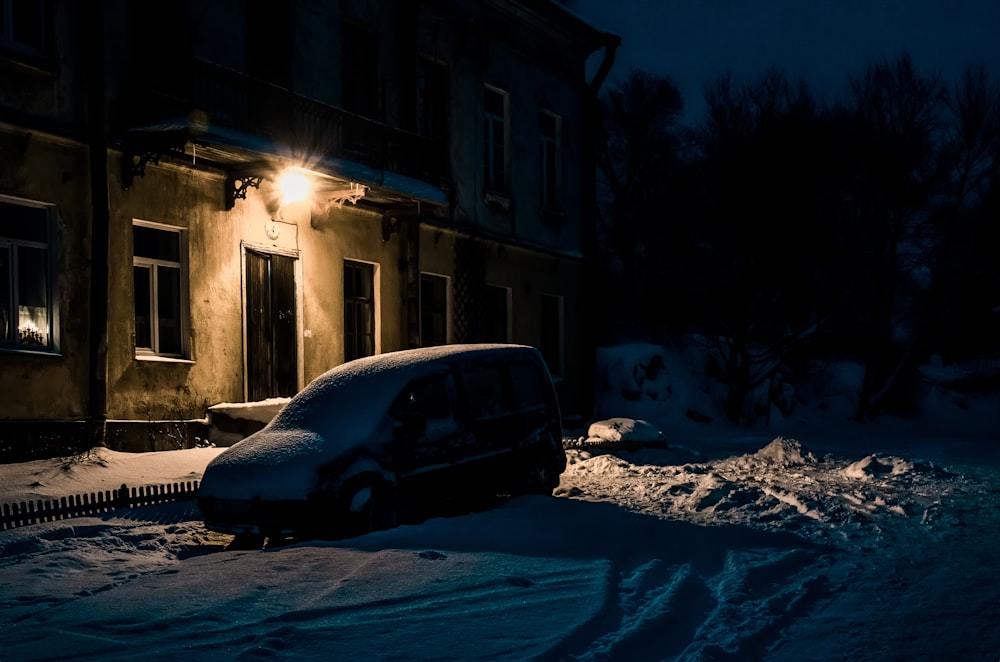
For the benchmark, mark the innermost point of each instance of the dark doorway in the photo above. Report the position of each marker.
(272, 338)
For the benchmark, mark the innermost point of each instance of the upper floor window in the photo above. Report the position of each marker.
(27, 312)
(359, 77)
(159, 273)
(496, 111)
(550, 159)
(432, 99)
(24, 25)
(269, 40)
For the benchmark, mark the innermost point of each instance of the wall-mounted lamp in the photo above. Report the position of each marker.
(294, 187)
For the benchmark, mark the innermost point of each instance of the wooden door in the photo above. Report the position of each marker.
(271, 327)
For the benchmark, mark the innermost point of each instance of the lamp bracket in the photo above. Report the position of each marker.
(237, 186)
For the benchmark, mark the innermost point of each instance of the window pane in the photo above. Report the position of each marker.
(484, 386)
(156, 244)
(141, 288)
(6, 315)
(33, 298)
(547, 125)
(528, 390)
(433, 310)
(28, 27)
(493, 103)
(495, 314)
(23, 222)
(168, 309)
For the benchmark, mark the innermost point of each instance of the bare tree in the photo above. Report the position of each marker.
(635, 149)
(900, 113)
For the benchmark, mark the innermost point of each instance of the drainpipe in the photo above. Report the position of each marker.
(591, 262)
(97, 387)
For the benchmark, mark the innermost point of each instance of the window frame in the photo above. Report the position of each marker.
(360, 79)
(14, 343)
(550, 192)
(447, 312)
(8, 40)
(153, 264)
(508, 299)
(493, 181)
(372, 269)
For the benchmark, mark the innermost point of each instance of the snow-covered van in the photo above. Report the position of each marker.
(392, 436)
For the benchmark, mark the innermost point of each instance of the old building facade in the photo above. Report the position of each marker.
(217, 201)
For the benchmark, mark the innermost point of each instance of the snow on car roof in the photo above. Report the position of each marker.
(341, 409)
(374, 381)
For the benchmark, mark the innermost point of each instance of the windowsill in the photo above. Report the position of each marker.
(497, 201)
(552, 217)
(28, 59)
(153, 358)
(29, 352)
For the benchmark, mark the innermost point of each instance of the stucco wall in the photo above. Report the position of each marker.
(158, 389)
(53, 171)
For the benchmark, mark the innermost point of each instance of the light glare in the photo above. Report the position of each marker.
(294, 187)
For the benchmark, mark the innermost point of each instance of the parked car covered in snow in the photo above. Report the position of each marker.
(391, 436)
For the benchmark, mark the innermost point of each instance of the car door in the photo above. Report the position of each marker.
(430, 444)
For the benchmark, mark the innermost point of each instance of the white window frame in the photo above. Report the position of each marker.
(376, 300)
(490, 122)
(51, 346)
(153, 264)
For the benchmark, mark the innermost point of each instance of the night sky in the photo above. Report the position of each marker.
(823, 41)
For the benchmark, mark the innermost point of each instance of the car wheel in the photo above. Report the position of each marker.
(541, 477)
(368, 505)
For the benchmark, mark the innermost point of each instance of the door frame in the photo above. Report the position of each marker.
(299, 323)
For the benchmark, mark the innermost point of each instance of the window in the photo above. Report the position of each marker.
(159, 265)
(359, 78)
(359, 310)
(24, 25)
(427, 398)
(550, 159)
(495, 130)
(26, 275)
(551, 337)
(269, 40)
(496, 314)
(432, 99)
(433, 310)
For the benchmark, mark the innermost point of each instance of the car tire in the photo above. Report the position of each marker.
(368, 504)
(541, 476)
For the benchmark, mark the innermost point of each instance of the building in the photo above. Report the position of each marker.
(218, 200)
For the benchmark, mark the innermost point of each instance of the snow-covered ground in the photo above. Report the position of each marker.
(809, 538)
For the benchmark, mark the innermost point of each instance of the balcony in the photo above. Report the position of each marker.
(307, 129)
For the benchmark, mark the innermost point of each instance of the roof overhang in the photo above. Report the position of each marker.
(249, 159)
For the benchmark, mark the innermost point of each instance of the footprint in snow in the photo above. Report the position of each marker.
(432, 555)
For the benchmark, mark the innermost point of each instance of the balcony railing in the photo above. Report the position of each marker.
(257, 108)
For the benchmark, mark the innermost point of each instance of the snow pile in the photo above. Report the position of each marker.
(782, 486)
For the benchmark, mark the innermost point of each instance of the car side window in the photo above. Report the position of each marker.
(527, 385)
(484, 386)
(428, 398)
